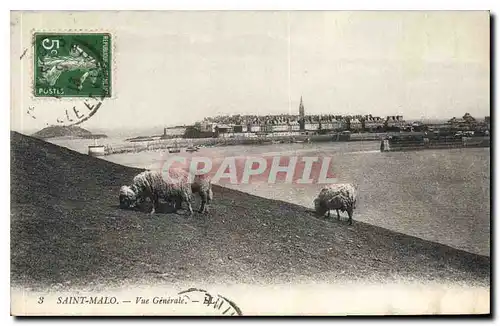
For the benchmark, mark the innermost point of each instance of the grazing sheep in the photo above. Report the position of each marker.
(152, 184)
(202, 185)
(336, 196)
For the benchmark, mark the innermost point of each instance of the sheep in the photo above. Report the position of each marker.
(172, 190)
(202, 185)
(336, 196)
(152, 184)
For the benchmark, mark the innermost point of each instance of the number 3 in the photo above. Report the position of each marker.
(51, 43)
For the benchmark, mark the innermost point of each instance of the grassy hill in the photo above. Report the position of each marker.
(66, 228)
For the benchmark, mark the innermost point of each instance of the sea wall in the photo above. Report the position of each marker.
(163, 144)
(390, 145)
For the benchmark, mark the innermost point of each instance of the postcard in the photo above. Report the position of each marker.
(250, 163)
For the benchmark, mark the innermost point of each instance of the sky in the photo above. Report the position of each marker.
(172, 68)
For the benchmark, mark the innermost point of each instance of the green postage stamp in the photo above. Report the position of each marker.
(72, 65)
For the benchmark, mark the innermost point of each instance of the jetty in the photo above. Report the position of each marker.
(421, 142)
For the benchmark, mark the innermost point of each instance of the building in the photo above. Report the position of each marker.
(174, 131)
(238, 128)
(355, 124)
(301, 115)
(311, 126)
(266, 128)
(395, 121)
(294, 126)
(373, 123)
(223, 129)
(255, 128)
(301, 109)
(335, 125)
(280, 127)
(208, 127)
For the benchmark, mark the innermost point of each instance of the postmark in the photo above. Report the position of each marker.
(212, 301)
(68, 115)
(72, 65)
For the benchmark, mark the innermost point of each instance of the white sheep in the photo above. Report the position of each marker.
(175, 187)
(202, 185)
(336, 196)
(153, 185)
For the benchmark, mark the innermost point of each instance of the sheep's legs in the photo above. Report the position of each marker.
(187, 198)
(155, 206)
(349, 211)
(202, 207)
(178, 203)
(190, 207)
(155, 202)
(204, 202)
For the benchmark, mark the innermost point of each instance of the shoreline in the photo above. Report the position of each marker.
(183, 143)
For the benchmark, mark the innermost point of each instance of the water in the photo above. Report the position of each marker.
(439, 195)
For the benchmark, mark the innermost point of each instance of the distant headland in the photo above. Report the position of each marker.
(66, 131)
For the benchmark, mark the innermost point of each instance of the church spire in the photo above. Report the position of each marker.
(301, 115)
(301, 108)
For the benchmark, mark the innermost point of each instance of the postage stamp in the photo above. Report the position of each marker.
(72, 65)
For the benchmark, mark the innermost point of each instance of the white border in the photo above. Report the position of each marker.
(257, 5)
(193, 5)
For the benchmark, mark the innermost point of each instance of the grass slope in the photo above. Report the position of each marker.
(66, 228)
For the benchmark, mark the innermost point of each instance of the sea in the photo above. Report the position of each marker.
(440, 195)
